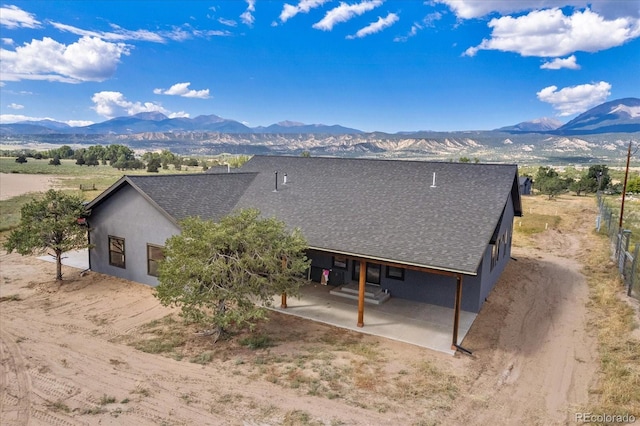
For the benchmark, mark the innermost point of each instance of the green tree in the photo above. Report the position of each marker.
(50, 223)
(553, 186)
(549, 182)
(598, 177)
(153, 165)
(217, 271)
(21, 159)
(91, 159)
(167, 157)
(633, 184)
(64, 151)
(55, 161)
(580, 185)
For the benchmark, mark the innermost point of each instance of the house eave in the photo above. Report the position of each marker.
(117, 186)
(401, 264)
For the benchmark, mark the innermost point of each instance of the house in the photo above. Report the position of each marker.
(437, 233)
(525, 183)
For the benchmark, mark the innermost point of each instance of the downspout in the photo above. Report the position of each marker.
(88, 243)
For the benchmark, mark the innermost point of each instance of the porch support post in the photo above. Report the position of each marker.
(456, 311)
(283, 301)
(361, 287)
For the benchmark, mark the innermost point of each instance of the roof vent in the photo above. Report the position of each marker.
(276, 188)
(433, 185)
(284, 179)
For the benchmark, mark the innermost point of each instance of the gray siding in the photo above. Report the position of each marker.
(418, 286)
(126, 214)
(490, 277)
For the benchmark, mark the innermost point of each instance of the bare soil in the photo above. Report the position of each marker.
(69, 357)
(14, 184)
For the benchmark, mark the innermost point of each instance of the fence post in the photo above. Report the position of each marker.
(634, 264)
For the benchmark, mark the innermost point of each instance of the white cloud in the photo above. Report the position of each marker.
(8, 41)
(16, 118)
(182, 89)
(469, 9)
(15, 106)
(427, 21)
(289, 11)
(559, 63)
(119, 34)
(345, 12)
(227, 22)
(177, 33)
(79, 123)
(549, 33)
(88, 59)
(14, 17)
(412, 33)
(114, 104)
(247, 16)
(575, 99)
(376, 27)
(212, 33)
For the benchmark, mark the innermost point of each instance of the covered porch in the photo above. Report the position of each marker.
(420, 324)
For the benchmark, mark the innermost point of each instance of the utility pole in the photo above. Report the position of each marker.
(624, 188)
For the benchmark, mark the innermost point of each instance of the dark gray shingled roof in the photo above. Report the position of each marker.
(209, 196)
(378, 209)
(387, 209)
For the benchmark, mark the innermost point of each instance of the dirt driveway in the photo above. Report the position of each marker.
(65, 360)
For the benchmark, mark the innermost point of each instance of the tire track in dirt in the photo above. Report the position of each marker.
(13, 364)
(538, 358)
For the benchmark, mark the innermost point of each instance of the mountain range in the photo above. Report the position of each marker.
(622, 115)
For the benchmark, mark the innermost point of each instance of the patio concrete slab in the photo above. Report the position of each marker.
(420, 324)
(75, 258)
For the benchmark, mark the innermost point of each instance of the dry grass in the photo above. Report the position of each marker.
(329, 363)
(618, 387)
(539, 214)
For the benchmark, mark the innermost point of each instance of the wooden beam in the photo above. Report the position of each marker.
(456, 312)
(394, 264)
(283, 301)
(361, 288)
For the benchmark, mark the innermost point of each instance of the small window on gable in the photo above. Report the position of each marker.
(395, 273)
(116, 252)
(340, 262)
(154, 255)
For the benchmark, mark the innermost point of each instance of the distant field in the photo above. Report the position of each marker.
(72, 176)
(69, 177)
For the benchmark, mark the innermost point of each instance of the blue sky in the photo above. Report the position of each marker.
(369, 64)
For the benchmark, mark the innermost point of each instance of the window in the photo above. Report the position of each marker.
(373, 272)
(340, 262)
(395, 273)
(116, 252)
(154, 255)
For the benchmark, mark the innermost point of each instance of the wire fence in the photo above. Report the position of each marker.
(627, 259)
